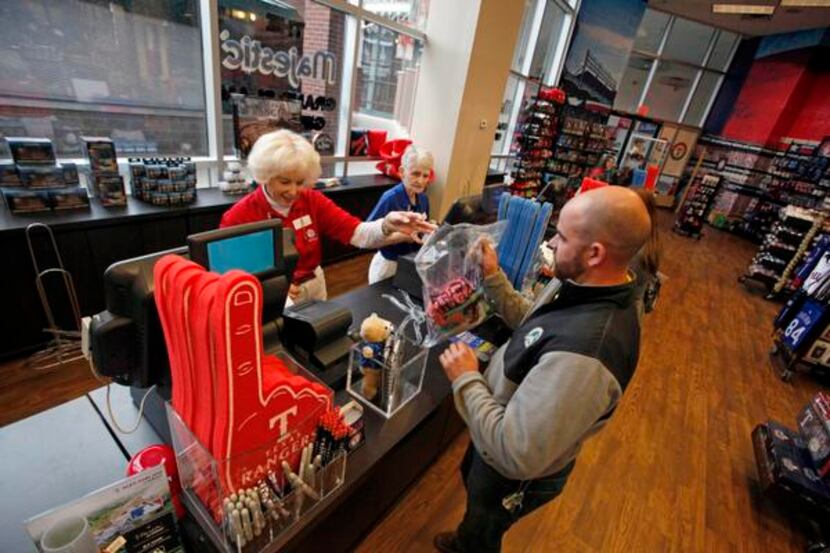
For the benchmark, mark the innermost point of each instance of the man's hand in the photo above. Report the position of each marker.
(294, 292)
(458, 359)
(489, 257)
(407, 223)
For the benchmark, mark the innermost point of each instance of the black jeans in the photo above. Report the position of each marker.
(486, 520)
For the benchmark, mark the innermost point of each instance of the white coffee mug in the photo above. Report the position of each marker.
(69, 535)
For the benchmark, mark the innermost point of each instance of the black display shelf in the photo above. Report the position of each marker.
(207, 199)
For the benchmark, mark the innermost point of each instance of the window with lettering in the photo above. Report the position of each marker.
(282, 67)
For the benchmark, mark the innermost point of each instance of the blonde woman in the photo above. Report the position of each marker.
(285, 165)
(408, 195)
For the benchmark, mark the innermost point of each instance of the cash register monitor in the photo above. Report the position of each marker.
(126, 339)
(257, 248)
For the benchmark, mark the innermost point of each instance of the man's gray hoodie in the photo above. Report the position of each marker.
(558, 379)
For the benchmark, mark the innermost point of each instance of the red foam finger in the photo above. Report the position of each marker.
(199, 303)
(181, 279)
(161, 294)
(262, 410)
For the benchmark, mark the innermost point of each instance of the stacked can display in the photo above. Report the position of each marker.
(535, 136)
(164, 181)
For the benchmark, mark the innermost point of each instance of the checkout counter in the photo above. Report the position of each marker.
(74, 449)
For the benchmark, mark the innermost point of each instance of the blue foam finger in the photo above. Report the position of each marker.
(505, 252)
(536, 237)
(529, 216)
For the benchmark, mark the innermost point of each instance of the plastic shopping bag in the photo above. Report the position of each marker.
(450, 268)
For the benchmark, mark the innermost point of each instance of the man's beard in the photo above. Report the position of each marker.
(571, 270)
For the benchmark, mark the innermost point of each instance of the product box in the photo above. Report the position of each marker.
(41, 177)
(27, 201)
(791, 466)
(9, 176)
(784, 439)
(814, 423)
(109, 189)
(31, 151)
(101, 154)
(70, 174)
(69, 198)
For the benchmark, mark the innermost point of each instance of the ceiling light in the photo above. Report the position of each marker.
(755, 9)
(805, 3)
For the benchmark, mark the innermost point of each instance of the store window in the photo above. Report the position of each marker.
(132, 71)
(688, 41)
(676, 68)
(521, 51)
(387, 75)
(537, 59)
(330, 73)
(412, 13)
(669, 89)
(650, 32)
(289, 58)
(722, 52)
(633, 83)
(502, 139)
(703, 96)
(550, 31)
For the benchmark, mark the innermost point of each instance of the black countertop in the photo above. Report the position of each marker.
(207, 199)
(50, 459)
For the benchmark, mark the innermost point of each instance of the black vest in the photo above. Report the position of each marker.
(598, 322)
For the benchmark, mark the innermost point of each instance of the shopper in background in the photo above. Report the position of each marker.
(286, 165)
(646, 264)
(606, 171)
(559, 378)
(408, 195)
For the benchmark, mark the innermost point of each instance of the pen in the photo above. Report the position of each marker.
(246, 524)
(298, 484)
(236, 523)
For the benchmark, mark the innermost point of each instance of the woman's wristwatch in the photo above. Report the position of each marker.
(384, 228)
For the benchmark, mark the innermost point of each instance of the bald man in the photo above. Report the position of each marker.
(560, 376)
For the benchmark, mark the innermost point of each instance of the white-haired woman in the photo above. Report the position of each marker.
(286, 165)
(409, 195)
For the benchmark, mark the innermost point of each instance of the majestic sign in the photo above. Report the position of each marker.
(251, 56)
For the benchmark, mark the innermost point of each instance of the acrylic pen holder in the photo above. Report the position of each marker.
(208, 483)
(387, 386)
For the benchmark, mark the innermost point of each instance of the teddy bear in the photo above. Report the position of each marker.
(374, 332)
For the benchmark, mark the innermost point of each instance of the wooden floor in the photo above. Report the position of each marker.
(673, 470)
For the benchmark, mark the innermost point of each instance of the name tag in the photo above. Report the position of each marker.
(302, 222)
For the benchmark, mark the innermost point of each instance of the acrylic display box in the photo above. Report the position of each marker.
(384, 388)
(207, 482)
